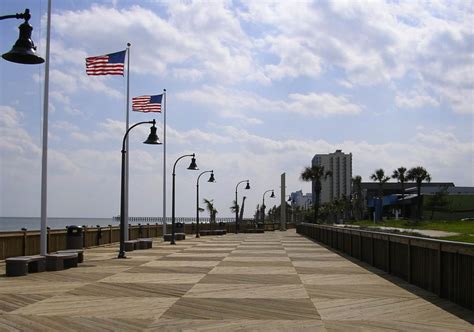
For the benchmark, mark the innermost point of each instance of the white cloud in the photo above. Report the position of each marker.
(311, 104)
(200, 39)
(323, 104)
(415, 99)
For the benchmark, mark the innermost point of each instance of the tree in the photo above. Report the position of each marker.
(315, 174)
(379, 175)
(418, 174)
(234, 207)
(400, 175)
(211, 209)
(358, 199)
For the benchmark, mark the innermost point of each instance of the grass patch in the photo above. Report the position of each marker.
(465, 228)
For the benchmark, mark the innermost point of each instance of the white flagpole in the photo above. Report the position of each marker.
(164, 161)
(44, 156)
(125, 217)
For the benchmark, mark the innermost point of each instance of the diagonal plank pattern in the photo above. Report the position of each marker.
(276, 281)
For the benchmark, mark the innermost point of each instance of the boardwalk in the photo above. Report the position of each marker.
(272, 281)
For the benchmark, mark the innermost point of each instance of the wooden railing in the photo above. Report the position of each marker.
(21, 243)
(445, 268)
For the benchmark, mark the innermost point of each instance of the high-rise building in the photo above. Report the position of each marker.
(339, 184)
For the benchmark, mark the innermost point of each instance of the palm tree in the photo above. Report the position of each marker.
(211, 209)
(418, 174)
(400, 176)
(315, 174)
(234, 207)
(379, 175)
(357, 188)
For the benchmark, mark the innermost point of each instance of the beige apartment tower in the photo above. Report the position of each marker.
(339, 184)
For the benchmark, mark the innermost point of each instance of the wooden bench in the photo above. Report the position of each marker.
(21, 265)
(130, 245)
(177, 237)
(145, 243)
(213, 232)
(58, 262)
(80, 253)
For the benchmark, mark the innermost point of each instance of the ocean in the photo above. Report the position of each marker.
(34, 223)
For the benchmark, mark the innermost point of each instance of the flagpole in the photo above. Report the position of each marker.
(164, 162)
(44, 155)
(125, 214)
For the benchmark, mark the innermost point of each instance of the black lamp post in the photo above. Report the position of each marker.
(192, 166)
(152, 139)
(237, 204)
(263, 204)
(24, 51)
(211, 179)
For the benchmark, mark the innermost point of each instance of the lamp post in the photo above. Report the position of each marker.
(24, 50)
(192, 166)
(152, 139)
(237, 204)
(211, 179)
(263, 204)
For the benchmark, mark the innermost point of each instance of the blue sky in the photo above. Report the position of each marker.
(255, 89)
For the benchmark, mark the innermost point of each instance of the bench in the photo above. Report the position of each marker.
(177, 237)
(80, 253)
(213, 232)
(58, 262)
(145, 243)
(21, 265)
(130, 245)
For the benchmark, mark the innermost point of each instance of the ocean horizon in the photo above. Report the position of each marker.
(34, 223)
(8, 224)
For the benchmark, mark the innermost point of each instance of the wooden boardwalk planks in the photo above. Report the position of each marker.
(276, 281)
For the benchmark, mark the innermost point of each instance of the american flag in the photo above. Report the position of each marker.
(109, 64)
(147, 103)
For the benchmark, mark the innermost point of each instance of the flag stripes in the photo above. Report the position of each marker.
(147, 103)
(109, 64)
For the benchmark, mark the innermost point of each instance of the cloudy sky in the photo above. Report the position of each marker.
(255, 89)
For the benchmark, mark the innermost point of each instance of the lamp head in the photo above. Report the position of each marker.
(272, 195)
(247, 186)
(211, 178)
(24, 51)
(153, 137)
(193, 165)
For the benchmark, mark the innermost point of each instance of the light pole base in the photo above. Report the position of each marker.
(172, 242)
(198, 236)
(121, 255)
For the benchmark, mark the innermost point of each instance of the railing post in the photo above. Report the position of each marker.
(440, 271)
(388, 254)
(48, 243)
(110, 233)
(25, 239)
(372, 249)
(409, 261)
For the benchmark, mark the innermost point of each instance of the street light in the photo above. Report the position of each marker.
(192, 166)
(211, 179)
(152, 139)
(237, 204)
(263, 204)
(24, 50)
